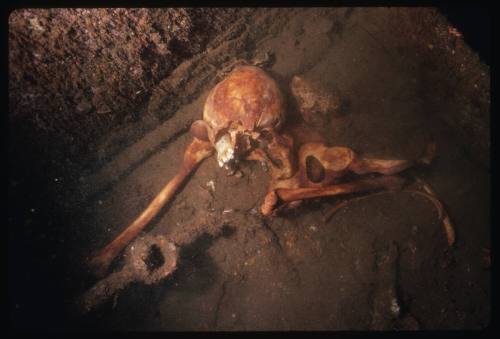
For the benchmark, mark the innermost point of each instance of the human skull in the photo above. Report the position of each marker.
(239, 112)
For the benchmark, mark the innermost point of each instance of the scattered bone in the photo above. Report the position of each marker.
(428, 194)
(245, 101)
(243, 118)
(442, 215)
(284, 195)
(149, 260)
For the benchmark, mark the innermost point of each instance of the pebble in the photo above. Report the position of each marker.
(395, 307)
(211, 185)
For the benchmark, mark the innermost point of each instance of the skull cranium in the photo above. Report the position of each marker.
(239, 112)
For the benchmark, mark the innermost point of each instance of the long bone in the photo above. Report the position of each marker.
(332, 163)
(319, 166)
(195, 153)
(286, 195)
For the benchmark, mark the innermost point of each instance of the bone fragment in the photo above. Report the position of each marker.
(442, 215)
(286, 195)
(362, 165)
(429, 194)
(386, 182)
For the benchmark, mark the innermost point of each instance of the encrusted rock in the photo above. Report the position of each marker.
(316, 104)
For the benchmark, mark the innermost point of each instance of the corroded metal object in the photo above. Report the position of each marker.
(149, 260)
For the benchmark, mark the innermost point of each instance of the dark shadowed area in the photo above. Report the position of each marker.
(100, 104)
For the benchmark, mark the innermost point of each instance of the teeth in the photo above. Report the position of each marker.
(225, 152)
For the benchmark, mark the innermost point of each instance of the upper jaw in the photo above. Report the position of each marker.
(232, 146)
(225, 150)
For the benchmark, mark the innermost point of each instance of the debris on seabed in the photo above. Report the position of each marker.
(211, 185)
(313, 228)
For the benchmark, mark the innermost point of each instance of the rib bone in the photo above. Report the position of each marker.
(286, 195)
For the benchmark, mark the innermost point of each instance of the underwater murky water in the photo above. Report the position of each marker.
(295, 271)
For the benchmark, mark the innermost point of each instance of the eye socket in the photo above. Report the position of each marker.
(314, 170)
(244, 142)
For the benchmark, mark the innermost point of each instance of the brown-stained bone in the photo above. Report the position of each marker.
(442, 214)
(196, 152)
(319, 166)
(335, 162)
(285, 195)
(278, 156)
(427, 193)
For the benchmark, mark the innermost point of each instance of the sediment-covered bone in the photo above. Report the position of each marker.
(423, 190)
(320, 165)
(286, 195)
